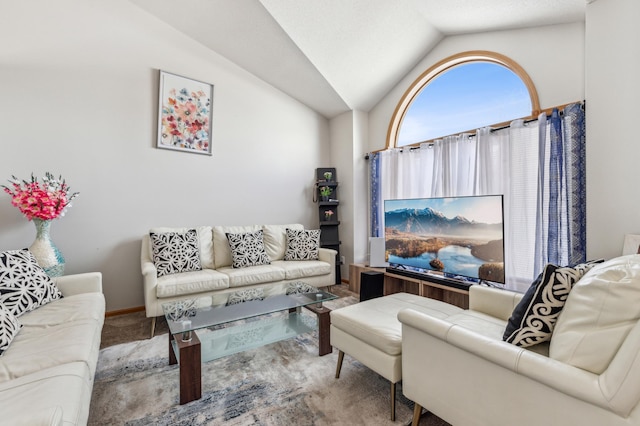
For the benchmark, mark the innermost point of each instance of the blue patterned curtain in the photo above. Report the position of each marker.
(374, 170)
(561, 225)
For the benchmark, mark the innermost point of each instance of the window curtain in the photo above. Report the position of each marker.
(538, 166)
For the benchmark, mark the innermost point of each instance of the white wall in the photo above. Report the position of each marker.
(79, 84)
(613, 150)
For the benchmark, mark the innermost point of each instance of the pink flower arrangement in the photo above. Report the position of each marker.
(47, 200)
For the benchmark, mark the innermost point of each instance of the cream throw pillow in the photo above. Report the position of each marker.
(598, 314)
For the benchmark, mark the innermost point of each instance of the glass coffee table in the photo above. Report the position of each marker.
(190, 350)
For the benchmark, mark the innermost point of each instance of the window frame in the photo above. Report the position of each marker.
(444, 65)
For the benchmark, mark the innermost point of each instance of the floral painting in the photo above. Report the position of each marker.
(184, 118)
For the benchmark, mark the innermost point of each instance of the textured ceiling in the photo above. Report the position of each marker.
(341, 55)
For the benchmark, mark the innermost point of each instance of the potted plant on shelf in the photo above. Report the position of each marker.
(325, 191)
(327, 215)
(328, 176)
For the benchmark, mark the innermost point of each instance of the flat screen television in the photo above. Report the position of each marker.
(453, 237)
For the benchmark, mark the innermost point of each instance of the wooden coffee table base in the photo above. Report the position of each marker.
(190, 367)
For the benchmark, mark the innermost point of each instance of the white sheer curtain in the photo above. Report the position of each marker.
(487, 163)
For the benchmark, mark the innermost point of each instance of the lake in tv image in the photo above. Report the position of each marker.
(457, 235)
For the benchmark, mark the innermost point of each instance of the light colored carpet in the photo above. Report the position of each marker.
(284, 383)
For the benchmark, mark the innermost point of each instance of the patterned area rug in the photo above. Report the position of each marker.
(284, 383)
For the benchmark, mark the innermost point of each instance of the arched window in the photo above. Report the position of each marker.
(462, 93)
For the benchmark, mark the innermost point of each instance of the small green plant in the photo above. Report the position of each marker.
(325, 191)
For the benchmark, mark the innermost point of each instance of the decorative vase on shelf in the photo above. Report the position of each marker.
(45, 251)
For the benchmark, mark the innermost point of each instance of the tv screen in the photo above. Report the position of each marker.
(456, 236)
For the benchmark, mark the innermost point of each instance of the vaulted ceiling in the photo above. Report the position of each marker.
(341, 55)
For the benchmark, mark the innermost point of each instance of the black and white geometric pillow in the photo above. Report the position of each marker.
(24, 286)
(175, 252)
(9, 327)
(247, 249)
(299, 287)
(302, 244)
(535, 317)
(245, 296)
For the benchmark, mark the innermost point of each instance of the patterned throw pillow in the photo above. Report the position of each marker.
(9, 327)
(175, 252)
(534, 319)
(302, 244)
(24, 286)
(300, 287)
(245, 296)
(247, 249)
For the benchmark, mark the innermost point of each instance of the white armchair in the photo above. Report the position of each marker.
(460, 369)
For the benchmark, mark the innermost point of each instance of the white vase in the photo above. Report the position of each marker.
(45, 251)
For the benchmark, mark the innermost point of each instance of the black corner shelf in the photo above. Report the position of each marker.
(329, 237)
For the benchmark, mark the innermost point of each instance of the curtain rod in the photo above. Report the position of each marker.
(501, 126)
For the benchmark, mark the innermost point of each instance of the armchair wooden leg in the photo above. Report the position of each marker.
(393, 402)
(339, 367)
(153, 326)
(417, 411)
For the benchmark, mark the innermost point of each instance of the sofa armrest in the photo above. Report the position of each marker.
(495, 302)
(150, 279)
(562, 377)
(327, 255)
(89, 282)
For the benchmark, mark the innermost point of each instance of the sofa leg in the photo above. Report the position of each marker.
(153, 326)
(339, 367)
(417, 411)
(393, 402)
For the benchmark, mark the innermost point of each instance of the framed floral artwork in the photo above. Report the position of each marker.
(184, 114)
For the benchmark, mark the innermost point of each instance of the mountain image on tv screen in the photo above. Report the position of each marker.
(459, 236)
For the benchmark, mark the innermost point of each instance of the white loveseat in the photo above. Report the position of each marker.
(588, 374)
(47, 372)
(218, 279)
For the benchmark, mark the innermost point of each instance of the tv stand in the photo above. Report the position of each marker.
(427, 285)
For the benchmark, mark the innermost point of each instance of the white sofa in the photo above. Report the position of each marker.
(218, 279)
(588, 374)
(46, 374)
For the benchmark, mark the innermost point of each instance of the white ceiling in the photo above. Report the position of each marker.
(341, 55)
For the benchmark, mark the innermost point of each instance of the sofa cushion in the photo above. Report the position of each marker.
(299, 287)
(375, 321)
(259, 274)
(275, 239)
(175, 252)
(205, 242)
(190, 283)
(24, 285)
(64, 390)
(247, 249)
(9, 327)
(534, 318)
(302, 244)
(300, 270)
(599, 313)
(246, 295)
(79, 307)
(221, 249)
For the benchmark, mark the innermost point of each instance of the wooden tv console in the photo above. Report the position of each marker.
(394, 283)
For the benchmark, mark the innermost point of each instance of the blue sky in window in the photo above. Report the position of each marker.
(465, 97)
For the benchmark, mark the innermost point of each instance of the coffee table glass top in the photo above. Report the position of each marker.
(189, 315)
(185, 317)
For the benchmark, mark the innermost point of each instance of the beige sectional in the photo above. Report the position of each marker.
(459, 368)
(218, 279)
(46, 374)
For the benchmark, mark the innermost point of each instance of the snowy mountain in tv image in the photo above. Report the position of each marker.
(428, 221)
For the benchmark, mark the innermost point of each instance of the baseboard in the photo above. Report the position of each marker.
(124, 311)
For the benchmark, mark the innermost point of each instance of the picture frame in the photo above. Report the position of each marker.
(631, 244)
(185, 114)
